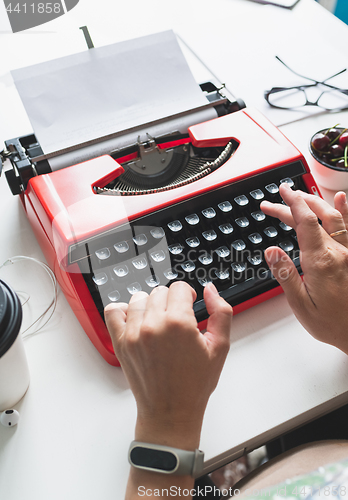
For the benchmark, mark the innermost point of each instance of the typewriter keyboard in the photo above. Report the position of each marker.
(217, 237)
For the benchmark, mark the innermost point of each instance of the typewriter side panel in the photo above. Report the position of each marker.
(74, 289)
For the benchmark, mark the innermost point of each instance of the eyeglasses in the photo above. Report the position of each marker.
(331, 98)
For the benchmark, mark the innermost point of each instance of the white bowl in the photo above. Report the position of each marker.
(328, 176)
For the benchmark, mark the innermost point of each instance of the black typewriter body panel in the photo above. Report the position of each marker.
(219, 236)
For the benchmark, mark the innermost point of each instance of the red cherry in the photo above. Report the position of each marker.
(320, 141)
(327, 158)
(343, 140)
(336, 150)
(340, 163)
(333, 133)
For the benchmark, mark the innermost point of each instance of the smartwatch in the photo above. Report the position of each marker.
(165, 460)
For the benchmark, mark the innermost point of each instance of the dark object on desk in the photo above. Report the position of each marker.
(286, 4)
(10, 317)
(14, 372)
(330, 426)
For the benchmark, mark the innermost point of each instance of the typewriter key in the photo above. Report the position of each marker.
(209, 213)
(170, 274)
(222, 274)
(134, 288)
(114, 296)
(285, 227)
(257, 194)
(242, 222)
(188, 266)
(272, 188)
(157, 232)
(238, 268)
(239, 245)
(271, 232)
(103, 253)
(259, 216)
(121, 271)
(158, 256)
(140, 239)
(241, 200)
(139, 263)
(222, 252)
(192, 219)
(288, 181)
(175, 249)
(193, 242)
(255, 260)
(225, 206)
(121, 247)
(204, 281)
(205, 259)
(209, 235)
(255, 238)
(100, 279)
(152, 281)
(226, 228)
(175, 226)
(287, 246)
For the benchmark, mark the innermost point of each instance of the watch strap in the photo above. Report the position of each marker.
(188, 463)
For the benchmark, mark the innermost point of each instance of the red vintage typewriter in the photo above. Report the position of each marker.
(181, 206)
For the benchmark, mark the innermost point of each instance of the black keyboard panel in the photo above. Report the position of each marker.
(219, 236)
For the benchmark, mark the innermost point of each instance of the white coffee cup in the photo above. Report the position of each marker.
(14, 370)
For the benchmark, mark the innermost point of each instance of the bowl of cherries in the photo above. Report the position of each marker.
(329, 149)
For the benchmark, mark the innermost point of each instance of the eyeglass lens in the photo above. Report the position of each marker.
(295, 98)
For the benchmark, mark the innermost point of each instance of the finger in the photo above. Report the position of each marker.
(157, 301)
(309, 232)
(220, 315)
(115, 319)
(279, 211)
(180, 298)
(331, 218)
(285, 272)
(340, 202)
(136, 311)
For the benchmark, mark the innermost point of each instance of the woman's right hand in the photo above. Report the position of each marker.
(320, 299)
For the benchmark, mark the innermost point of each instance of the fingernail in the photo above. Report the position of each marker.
(213, 288)
(272, 256)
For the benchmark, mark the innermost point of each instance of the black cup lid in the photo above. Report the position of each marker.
(10, 317)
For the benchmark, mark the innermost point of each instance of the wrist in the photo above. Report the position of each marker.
(183, 434)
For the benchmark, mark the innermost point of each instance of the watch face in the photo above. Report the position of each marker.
(154, 459)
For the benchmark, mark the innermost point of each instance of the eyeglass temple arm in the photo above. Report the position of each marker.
(311, 79)
(295, 73)
(336, 74)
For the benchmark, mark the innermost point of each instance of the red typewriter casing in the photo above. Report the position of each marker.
(63, 208)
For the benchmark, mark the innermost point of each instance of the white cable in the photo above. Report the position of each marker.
(21, 292)
(52, 305)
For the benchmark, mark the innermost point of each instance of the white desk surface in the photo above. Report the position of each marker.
(78, 415)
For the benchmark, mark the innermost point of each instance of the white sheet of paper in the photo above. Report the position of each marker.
(92, 94)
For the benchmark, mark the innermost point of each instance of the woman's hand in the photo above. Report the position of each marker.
(171, 367)
(320, 300)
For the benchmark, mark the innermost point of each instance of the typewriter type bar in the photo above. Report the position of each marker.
(109, 227)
